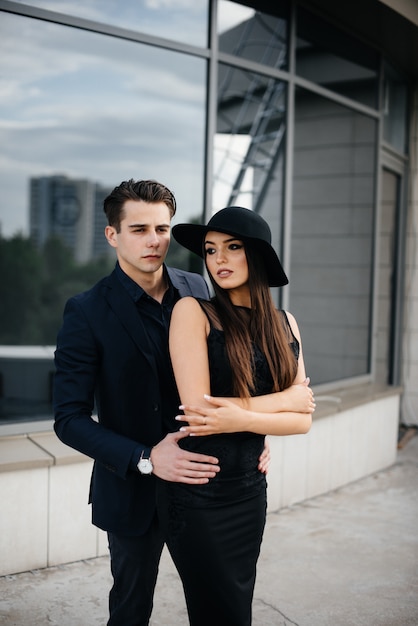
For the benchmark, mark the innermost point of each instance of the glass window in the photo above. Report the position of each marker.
(332, 59)
(253, 35)
(80, 112)
(332, 236)
(249, 145)
(395, 110)
(182, 20)
(91, 107)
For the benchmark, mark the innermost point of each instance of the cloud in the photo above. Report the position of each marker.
(231, 14)
(96, 107)
(184, 21)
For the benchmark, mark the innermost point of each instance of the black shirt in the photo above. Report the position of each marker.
(156, 318)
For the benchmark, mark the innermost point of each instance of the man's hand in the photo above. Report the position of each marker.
(265, 458)
(176, 465)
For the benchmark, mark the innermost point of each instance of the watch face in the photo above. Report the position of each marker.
(145, 466)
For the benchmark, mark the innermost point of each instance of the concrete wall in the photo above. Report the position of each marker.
(410, 336)
(45, 519)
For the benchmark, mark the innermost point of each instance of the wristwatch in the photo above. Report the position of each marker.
(145, 465)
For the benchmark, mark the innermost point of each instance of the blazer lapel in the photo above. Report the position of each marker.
(179, 282)
(125, 309)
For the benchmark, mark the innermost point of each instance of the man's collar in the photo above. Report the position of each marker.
(134, 290)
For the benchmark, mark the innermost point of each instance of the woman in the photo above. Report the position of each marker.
(238, 346)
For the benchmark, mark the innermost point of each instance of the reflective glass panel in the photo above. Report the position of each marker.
(395, 110)
(332, 236)
(92, 107)
(182, 20)
(249, 145)
(79, 113)
(332, 59)
(254, 35)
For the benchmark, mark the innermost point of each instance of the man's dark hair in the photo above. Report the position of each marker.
(146, 190)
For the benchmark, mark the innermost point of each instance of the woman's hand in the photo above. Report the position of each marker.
(224, 417)
(298, 398)
(227, 415)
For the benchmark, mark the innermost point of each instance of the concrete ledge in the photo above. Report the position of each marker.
(34, 450)
(20, 453)
(42, 449)
(340, 400)
(44, 484)
(60, 453)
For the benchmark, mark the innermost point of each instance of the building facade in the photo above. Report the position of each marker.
(305, 111)
(297, 110)
(71, 210)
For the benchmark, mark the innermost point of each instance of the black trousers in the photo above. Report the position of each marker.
(215, 550)
(134, 565)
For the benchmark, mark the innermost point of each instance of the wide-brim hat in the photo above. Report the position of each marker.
(243, 224)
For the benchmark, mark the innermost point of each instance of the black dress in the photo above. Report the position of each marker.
(214, 531)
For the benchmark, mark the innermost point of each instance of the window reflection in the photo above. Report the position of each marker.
(181, 20)
(253, 35)
(332, 235)
(334, 60)
(72, 210)
(80, 112)
(98, 109)
(249, 144)
(395, 110)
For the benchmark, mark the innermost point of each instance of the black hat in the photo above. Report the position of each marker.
(243, 224)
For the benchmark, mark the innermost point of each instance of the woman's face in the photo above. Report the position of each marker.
(226, 260)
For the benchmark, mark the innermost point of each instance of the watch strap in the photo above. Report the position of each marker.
(146, 453)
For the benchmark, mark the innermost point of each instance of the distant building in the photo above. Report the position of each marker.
(72, 210)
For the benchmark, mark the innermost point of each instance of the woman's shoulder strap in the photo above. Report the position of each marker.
(209, 310)
(287, 325)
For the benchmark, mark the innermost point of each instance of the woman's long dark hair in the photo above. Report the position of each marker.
(265, 328)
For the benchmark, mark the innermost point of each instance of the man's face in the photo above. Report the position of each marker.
(142, 243)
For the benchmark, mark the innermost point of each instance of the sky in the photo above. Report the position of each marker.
(97, 107)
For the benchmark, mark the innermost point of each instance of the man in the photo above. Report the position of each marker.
(112, 352)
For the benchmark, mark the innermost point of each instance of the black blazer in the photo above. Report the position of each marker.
(103, 354)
